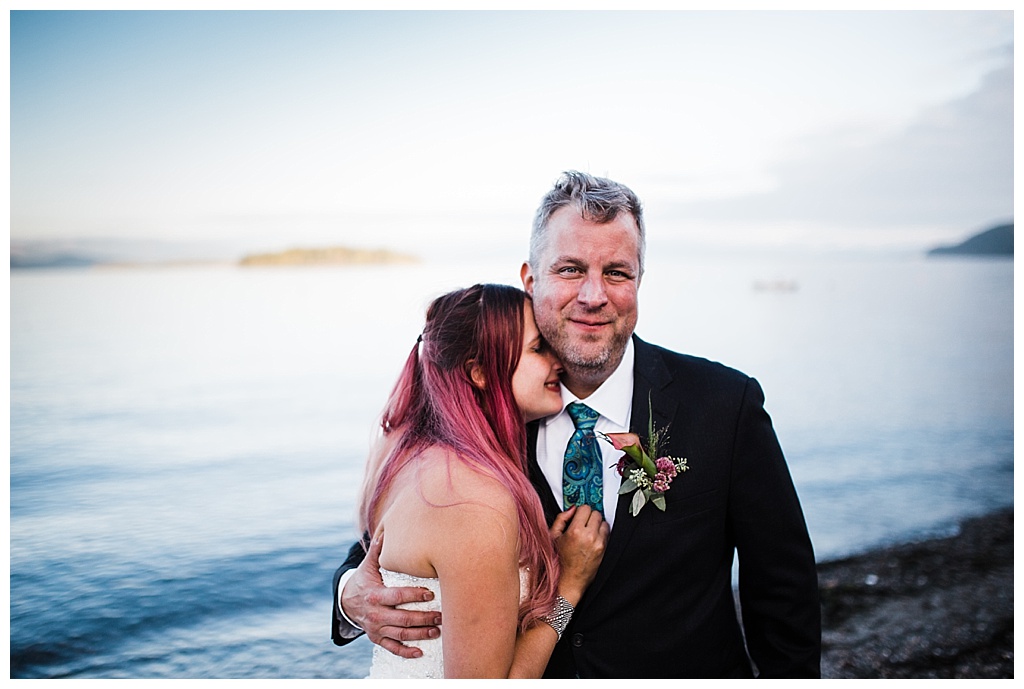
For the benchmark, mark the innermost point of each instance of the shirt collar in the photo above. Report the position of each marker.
(614, 398)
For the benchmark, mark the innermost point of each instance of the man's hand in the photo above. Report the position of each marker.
(367, 602)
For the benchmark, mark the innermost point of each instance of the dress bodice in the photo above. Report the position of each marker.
(386, 665)
(430, 665)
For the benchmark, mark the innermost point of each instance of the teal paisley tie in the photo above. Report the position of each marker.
(582, 474)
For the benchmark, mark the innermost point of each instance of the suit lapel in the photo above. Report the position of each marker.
(650, 377)
(540, 484)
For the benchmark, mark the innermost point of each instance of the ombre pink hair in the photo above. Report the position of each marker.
(435, 402)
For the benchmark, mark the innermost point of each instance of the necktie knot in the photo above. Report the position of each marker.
(583, 417)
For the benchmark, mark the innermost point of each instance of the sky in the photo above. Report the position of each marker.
(425, 130)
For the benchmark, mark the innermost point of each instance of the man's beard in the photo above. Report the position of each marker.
(582, 359)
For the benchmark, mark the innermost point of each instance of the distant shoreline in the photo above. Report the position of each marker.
(27, 257)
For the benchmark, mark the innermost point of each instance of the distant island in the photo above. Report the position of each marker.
(997, 241)
(327, 256)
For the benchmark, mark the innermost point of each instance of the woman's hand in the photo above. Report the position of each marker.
(580, 534)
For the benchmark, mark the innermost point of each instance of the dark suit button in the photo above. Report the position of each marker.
(577, 640)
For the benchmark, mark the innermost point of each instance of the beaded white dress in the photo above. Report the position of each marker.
(430, 665)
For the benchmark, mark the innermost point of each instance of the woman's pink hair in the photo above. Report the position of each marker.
(435, 402)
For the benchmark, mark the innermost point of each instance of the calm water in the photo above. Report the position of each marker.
(186, 443)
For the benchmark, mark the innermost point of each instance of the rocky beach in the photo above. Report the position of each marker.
(940, 608)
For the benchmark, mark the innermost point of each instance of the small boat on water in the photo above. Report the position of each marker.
(776, 286)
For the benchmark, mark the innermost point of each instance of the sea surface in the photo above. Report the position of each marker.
(187, 442)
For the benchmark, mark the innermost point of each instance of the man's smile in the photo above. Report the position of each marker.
(590, 324)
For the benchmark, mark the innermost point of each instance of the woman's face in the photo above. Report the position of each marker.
(535, 382)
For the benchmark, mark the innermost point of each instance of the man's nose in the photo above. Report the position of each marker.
(592, 292)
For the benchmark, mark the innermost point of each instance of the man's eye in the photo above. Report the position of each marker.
(569, 270)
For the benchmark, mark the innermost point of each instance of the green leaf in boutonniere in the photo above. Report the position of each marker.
(627, 485)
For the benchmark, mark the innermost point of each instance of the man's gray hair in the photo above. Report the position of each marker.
(597, 199)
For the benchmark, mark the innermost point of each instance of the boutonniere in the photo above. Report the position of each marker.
(649, 478)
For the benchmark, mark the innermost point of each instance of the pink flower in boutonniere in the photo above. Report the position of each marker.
(649, 478)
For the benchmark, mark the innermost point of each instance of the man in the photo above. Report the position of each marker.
(662, 603)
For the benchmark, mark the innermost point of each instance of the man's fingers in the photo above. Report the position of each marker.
(391, 638)
(397, 648)
(392, 596)
(411, 620)
(373, 554)
(404, 634)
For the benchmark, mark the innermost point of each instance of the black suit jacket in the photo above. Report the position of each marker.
(661, 604)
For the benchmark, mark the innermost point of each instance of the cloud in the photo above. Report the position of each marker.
(952, 166)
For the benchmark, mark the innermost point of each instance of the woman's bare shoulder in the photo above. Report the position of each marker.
(440, 506)
(445, 478)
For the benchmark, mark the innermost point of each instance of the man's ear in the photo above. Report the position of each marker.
(476, 374)
(526, 274)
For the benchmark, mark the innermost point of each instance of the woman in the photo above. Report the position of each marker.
(448, 499)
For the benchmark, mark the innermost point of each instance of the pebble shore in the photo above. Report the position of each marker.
(940, 608)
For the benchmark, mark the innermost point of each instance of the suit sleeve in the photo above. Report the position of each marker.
(778, 578)
(341, 631)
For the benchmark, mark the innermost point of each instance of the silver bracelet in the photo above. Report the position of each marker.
(560, 616)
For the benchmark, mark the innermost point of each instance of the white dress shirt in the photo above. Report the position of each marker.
(614, 402)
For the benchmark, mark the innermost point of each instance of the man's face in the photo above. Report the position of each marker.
(584, 290)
